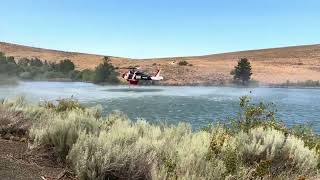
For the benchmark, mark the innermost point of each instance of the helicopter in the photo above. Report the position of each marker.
(133, 76)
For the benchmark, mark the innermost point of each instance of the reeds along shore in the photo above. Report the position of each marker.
(255, 145)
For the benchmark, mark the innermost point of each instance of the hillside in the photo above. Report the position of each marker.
(270, 66)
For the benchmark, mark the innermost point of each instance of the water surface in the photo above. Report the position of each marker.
(197, 105)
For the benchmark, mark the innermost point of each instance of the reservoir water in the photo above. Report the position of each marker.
(198, 106)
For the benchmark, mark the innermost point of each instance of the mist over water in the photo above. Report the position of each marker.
(8, 80)
(198, 106)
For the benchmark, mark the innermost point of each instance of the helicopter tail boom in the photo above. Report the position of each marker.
(157, 77)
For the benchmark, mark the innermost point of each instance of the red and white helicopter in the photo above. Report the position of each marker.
(133, 76)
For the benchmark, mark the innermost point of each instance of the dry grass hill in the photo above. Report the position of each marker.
(270, 66)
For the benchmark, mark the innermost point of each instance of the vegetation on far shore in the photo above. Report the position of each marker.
(12, 70)
(254, 145)
(308, 83)
(37, 69)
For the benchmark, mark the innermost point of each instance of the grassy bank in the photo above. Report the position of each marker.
(254, 145)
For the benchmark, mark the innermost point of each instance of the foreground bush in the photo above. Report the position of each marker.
(276, 152)
(254, 146)
(13, 124)
(61, 131)
(118, 153)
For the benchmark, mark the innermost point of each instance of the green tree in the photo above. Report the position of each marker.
(242, 72)
(10, 59)
(86, 75)
(66, 66)
(36, 62)
(105, 72)
(8, 65)
(24, 62)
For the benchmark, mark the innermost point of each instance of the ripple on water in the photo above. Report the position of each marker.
(140, 90)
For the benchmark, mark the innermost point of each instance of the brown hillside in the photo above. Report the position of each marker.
(270, 66)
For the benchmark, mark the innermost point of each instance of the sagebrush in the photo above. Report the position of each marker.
(254, 146)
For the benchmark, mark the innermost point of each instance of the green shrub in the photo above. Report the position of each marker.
(23, 62)
(30, 111)
(25, 75)
(311, 139)
(307, 83)
(183, 63)
(140, 150)
(115, 147)
(61, 131)
(276, 150)
(35, 62)
(75, 75)
(52, 75)
(8, 65)
(109, 156)
(253, 115)
(86, 75)
(66, 66)
(63, 105)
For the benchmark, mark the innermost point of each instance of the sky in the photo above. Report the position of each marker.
(159, 28)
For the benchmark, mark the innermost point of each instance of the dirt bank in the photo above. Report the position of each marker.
(16, 162)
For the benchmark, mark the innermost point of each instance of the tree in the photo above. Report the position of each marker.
(105, 72)
(24, 62)
(66, 66)
(10, 59)
(3, 58)
(242, 72)
(8, 65)
(36, 62)
(86, 75)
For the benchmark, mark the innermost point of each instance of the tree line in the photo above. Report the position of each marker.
(37, 69)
